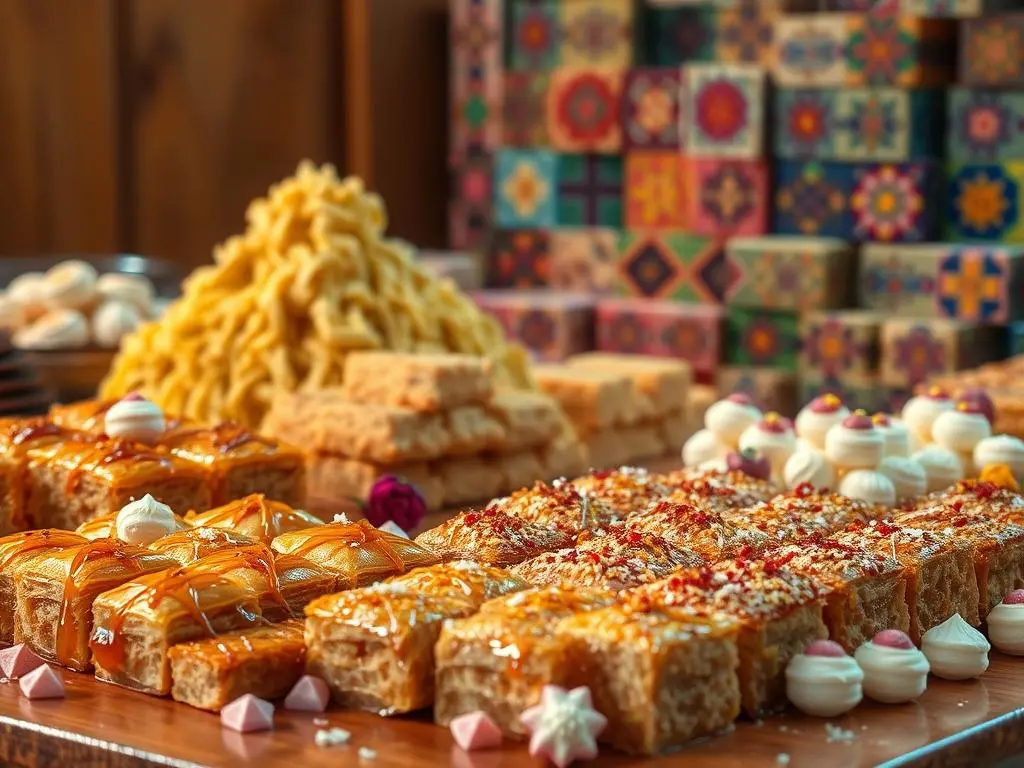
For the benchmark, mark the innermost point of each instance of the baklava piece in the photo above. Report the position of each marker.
(627, 490)
(90, 416)
(105, 527)
(192, 544)
(801, 513)
(491, 537)
(721, 492)
(558, 506)
(256, 517)
(699, 530)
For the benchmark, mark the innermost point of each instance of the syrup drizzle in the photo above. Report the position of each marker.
(33, 541)
(273, 517)
(357, 534)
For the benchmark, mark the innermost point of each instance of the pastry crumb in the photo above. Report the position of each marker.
(321, 721)
(332, 737)
(835, 733)
(782, 759)
(365, 753)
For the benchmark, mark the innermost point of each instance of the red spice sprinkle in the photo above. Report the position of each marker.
(886, 529)
(471, 519)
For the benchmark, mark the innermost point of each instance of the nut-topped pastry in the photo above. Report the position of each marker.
(559, 505)
(699, 530)
(492, 537)
(256, 517)
(627, 490)
(720, 492)
(802, 512)
(977, 497)
(191, 544)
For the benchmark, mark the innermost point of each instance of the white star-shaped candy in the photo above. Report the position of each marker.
(564, 726)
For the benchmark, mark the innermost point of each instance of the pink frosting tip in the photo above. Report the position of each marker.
(970, 406)
(309, 694)
(1015, 598)
(742, 398)
(18, 661)
(132, 397)
(826, 404)
(937, 393)
(979, 397)
(858, 421)
(881, 420)
(893, 638)
(42, 683)
(774, 424)
(828, 648)
(475, 730)
(248, 713)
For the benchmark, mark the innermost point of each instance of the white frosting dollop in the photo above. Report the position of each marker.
(868, 485)
(144, 521)
(895, 436)
(906, 475)
(701, 447)
(138, 420)
(960, 431)
(777, 447)
(824, 686)
(1006, 628)
(955, 650)
(919, 415)
(942, 466)
(1001, 449)
(854, 448)
(812, 425)
(727, 420)
(892, 675)
(809, 466)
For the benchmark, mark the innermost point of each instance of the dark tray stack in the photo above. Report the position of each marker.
(22, 392)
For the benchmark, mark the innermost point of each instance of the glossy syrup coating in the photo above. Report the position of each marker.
(256, 517)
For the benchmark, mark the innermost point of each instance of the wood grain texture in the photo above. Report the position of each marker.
(58, 139)
(224, 98)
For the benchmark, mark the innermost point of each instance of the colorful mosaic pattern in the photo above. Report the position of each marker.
(681, 34)
(954, 9)
(534, 36)
(471, 204)
(837, 345)
(980, 284)
(523, 118)
(810, 50)
(583, 110)
(894, 202)
(519, 258)
(992, 50)
(912, 351)
(596, 33)
(885, 47)
(726, 197)
(900, 279)
(475, 78)
(654, 190)
(650, 108)
(805, 123)
(813, 198)
(796, 274)
(985, 125)
(671, 264)
(762, 337)
(551, 325)
(723, 111)
(590, 190)
(525, 184)
(584, 259)
(985, 202)
(746, 32)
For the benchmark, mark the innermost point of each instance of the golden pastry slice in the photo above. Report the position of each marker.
(699, 530)
(558, 506)
(193, 544)
(105, 526)
(89, 415)
(492, 537)
(255, 517)
(628, 490)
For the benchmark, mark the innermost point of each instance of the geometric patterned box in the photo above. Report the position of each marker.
(813, 198)
(590, 190)
(986, 202)
(471, 201)
(650, 108)
(518, 258)
(838, 345)
(525, 184)
(583, 259)
(745, 32)
(723, 111)
(766, 338)
(954, 9)
(895, 202)
(770, 389)
(673, 264)
(855, 392)
(475, 79)
(899, 279)
(596, 33)
(858, 124)
(913, 350)
(809, 50)
(981, 283)
(653, 190)
(992, 51)
(523, 121)
(583, 110)
(792, 273)
(552, 325)
(680, 34)
(692, 332)
(534, 35)
(985, 125)
(726, 197)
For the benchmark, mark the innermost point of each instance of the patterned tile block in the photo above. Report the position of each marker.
(895, 202)
(883, 124)
(805, 123)
(899, 279)
(534, 35)
(810, 50)
(885, 47)
(471, 205)
(986, 202)
(552, 325)
(954, 9)
(653, 190)
(762, 337)
(525, 183)
(584, 259)
(692, 332)
(475, 77)
(596, 33)
(866, 393)
(813, 198)
(519, 258)
(981, 284)
(680, 34)
(583, 110)
(650, 108)
(726, 197)
(723, 111)
(746, 32)
(840, 345)
(913, 351)
(992, 50)
(524, 121)
(590, 190)
(673, 264)
(790, 273)
(770, 389)
(985, 125)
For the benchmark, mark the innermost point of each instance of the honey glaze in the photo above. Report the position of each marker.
(231, 563)
(206, 444)
(192, 544)
(112, 459)
(19, 545)
(255, 516)
(284, 640)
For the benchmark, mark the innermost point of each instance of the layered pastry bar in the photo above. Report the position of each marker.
(55, 592)
(699, 530)
(558, 506)
(938, 566)
(105, 526)
(975, 497)
(422, 382)
(865, 589)
(593, 399)
(997, 548)
(336, 477)
(75, 480)
(375, 646)
(779, 613)
(469, 479)
(491, 537)
(16, 551)
(90, 416)
(660, 680)
(530, 419)
(613, 558)
(500, 658)
(801, 513)
(187, 546)
(664, 381)
(264, 661)
(627, 490)
(356, 553)
(256, 517)
(721, 492)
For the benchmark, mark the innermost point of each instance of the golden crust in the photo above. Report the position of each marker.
(721, 492)
(492, 537)
(105, 527)
(193, 544)
(255, 517)
(464, 580)
(704, 532)
(559, 506)
(627, 490)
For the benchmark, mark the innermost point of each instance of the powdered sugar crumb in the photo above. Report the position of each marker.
(782, 759)
(332, 737)
(321, 721)
(835, 733)
(365, 753)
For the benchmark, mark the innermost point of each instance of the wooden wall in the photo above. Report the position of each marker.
(148, 125)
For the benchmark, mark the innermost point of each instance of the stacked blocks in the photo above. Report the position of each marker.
(650, 108)
(839, 355)
(552, 325)
(913, 351)
(525, 184)
(677, 34)
(763, 338)
(986, 202)
(992, 51)
(590, 190)
(584, 259)
(654, 190)
(790, 273)
(583, 110)
(673, 264)
(519, 258)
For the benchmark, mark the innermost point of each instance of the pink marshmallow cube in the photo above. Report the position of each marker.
(248, 713)
(475, 730)
(42, 683)
(18, 661)
(309, 694)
